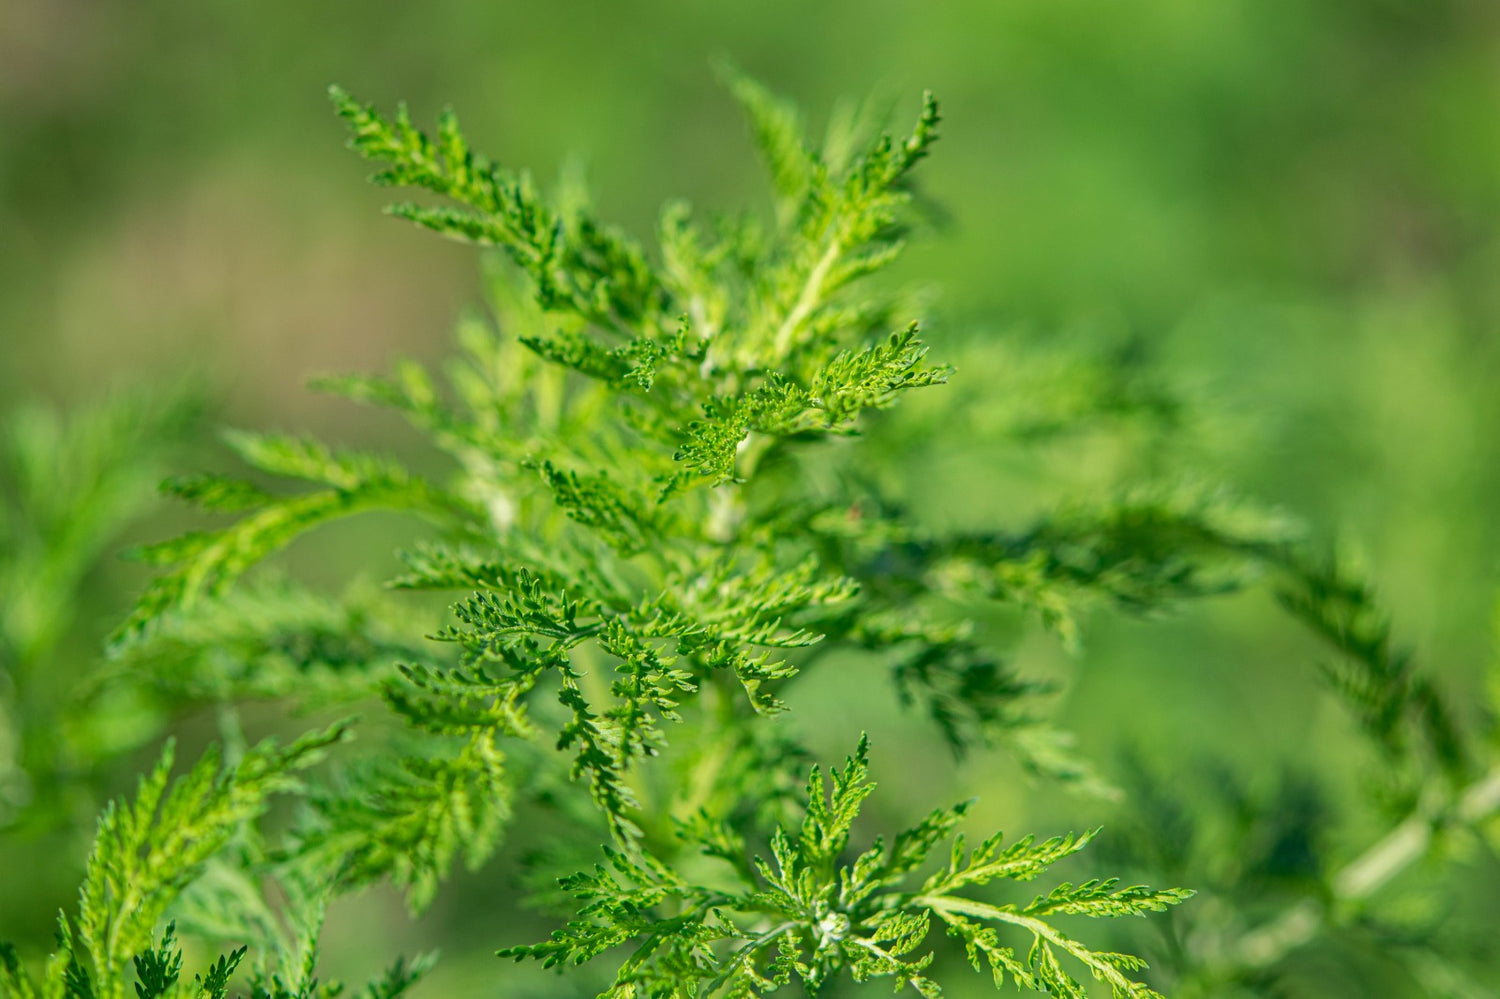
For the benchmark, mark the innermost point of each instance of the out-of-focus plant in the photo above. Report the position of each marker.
(68, 489)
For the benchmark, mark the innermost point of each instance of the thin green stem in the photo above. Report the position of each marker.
(947, 905)
(744, 954)
(1364, 876)
(807, 299)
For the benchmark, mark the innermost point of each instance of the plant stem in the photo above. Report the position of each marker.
(947, 905)
(1365, 875)
(705, 775)
(746, 953)
(807, 300)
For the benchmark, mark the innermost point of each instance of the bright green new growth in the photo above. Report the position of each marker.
(145, 854)
(811, 912)
(659, 516)
(633, 498)
(148, 852)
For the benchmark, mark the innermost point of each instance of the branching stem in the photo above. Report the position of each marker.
(945, 905)
(1365, 875)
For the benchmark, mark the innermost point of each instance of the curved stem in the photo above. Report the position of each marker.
(746, 953)
(1365, 875)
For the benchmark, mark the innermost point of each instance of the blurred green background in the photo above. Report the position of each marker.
(1286, 211)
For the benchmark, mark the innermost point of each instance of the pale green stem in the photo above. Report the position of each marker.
(745, 953)
(1365, 875)
(807, 300)
(711, 764)
(231, 732)
(948, 904)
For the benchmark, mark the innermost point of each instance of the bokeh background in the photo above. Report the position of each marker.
(1284, 212)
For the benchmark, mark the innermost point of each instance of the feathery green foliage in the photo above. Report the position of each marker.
(622, 506)
(812, 912)
(1395, 704)
(657, 516)
(146, 852)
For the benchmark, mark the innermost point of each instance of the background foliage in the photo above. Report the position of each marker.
(1269, 228)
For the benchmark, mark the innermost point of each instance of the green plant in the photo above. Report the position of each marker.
(69, 488)
(659, 515)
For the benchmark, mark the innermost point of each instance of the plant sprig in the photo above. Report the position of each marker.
(812, 911)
